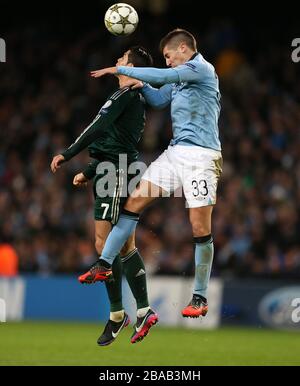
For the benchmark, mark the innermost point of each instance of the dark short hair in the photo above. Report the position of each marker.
(176, 37)
(139, 57)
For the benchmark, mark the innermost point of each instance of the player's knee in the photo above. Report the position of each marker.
(200, 229)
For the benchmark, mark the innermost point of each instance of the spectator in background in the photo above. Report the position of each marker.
(8, 259)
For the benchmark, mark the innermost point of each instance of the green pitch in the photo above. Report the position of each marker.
(50, 343)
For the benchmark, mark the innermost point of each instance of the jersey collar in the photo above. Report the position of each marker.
(193, 57)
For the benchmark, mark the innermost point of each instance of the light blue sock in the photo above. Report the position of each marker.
(204, 254)
(118, 236)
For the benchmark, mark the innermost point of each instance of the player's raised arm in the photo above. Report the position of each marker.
(187, 72)
(150, 74)
(146, 74)
(104, 71)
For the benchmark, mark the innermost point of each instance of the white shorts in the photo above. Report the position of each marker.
(193, 169)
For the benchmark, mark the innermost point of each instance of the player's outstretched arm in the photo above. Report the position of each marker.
(145, 74)
(104, 71)
(150, 74)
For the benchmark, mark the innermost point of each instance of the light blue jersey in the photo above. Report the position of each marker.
(193, 91)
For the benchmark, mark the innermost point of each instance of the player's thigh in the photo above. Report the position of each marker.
(142, 196)
(159, 180)
(200, 177)
(162, 175)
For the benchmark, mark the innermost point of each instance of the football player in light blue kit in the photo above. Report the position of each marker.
(193, 161)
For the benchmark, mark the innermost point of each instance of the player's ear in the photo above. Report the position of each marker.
(182, 48)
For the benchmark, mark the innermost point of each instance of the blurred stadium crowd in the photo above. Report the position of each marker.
(47, 98)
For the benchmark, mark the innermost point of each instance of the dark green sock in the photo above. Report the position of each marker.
(134, 270)
(114, 287)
